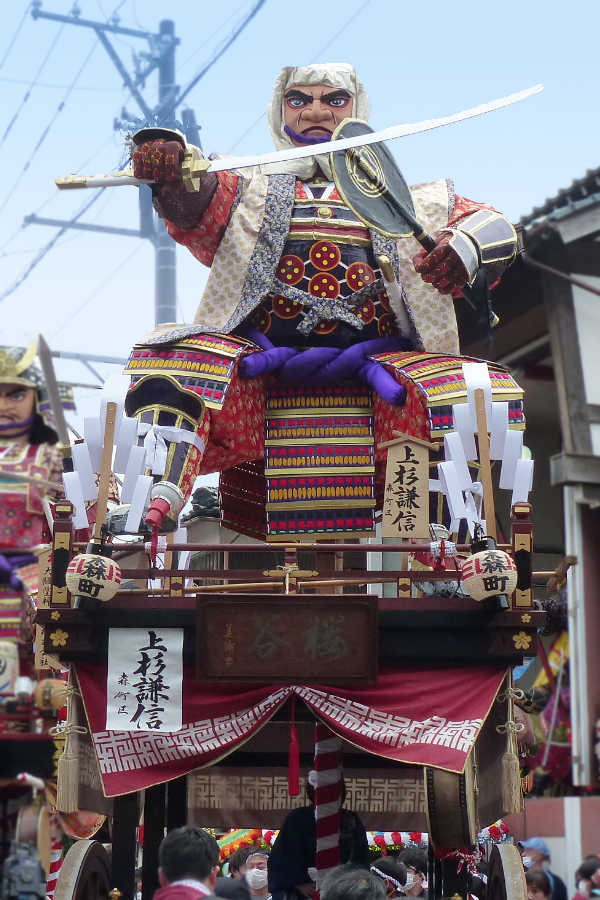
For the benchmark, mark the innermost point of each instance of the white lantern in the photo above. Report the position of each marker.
(90, 575)
(489, 573)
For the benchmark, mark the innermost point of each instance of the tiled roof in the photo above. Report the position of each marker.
(582, 192)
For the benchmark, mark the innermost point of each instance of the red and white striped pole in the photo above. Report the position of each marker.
(56, 834)
(327, 782)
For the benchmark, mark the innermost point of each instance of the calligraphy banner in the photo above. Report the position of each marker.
(420, 716)
(294, 638)
(145, 676)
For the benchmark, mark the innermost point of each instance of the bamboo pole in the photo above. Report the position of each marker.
(105, 469)
(486, 466)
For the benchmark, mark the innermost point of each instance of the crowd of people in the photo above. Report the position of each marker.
(543, 884)
(190, 869)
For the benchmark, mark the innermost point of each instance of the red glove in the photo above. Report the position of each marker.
(158, 160)
(441, 267)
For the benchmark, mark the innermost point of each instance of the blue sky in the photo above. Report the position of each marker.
(96, 293)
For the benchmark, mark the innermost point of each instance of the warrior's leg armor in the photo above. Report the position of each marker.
(174, 426)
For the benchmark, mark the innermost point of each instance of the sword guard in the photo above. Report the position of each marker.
(193, 168)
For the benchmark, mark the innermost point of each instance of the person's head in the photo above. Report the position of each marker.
(349, 882)
(188, 853)
(17, 407)
(307, 105)
(24, 413)
(231, 889)
(257, 874)
(237, 862)
(415, 862)
(538, 885)
(587, 875)
(534, 853)
(392, 872)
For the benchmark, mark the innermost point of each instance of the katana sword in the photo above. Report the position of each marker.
(56, 406)
(115, 179)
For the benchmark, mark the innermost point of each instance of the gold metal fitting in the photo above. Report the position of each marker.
(193, 168)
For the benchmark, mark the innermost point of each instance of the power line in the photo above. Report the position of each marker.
(33, 84)
(45, 250)
(212, 34)
(97, 291)
(215, 57)
(43, 84)
(48, 127)
(314, 59)
(15, 35)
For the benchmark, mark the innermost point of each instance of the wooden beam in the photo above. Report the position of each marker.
(566, 355)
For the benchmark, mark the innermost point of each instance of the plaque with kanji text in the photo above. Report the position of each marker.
(291, 639)
(406, 497)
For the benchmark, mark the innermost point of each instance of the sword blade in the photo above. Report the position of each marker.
(115, 179)
(58, 413)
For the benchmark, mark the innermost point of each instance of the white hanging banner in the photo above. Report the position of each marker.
(82, 464)
(145, 678)
(464, 425)
(127, 439)
(92, 433)
(139, 499)
(452, 491)
(513, 451)
(74, 495)
(477, 376)
(523, 481)
(454, 450)
(134, 468)
(498, 429)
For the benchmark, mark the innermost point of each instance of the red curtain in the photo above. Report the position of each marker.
(422, 716)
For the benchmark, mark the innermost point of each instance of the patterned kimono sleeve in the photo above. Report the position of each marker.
(462, 210)
(203, 240)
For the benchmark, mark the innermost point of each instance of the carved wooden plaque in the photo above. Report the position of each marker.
(293, 639)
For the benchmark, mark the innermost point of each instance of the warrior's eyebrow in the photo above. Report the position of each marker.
(307, 98)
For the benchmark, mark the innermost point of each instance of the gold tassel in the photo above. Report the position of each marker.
(512, 796)
(67, 794)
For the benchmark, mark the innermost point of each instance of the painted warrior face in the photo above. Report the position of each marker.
(315, 110)
(17, 404)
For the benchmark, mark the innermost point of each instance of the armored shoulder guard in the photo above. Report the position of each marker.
(483, 238)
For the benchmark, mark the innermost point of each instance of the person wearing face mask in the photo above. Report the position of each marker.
(587, 879)
(393, 874)
(416, 873)
(257, 875)
(536, 856)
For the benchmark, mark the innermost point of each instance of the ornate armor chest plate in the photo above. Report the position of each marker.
(328, 255)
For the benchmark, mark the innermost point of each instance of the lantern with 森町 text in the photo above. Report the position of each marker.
(489, 573)
(91, 575)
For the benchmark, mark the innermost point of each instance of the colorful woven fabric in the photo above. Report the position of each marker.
(203, 240)
(319, 461)
(10, 615)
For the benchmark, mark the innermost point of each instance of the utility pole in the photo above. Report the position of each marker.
(165, 283)
(161, 56)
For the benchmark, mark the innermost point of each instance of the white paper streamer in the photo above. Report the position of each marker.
(83, 466)
(135, 467)
(138, 502)
(498, 429)
(74, 495)
(92, 433)
(464, 424)
(394, 292)
(513, 450)
(454, 450)
(477, 376)
(523, 481)
(451, 489)
(127, 439)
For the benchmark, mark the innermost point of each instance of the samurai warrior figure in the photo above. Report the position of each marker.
(27, 447)
(301, 354)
